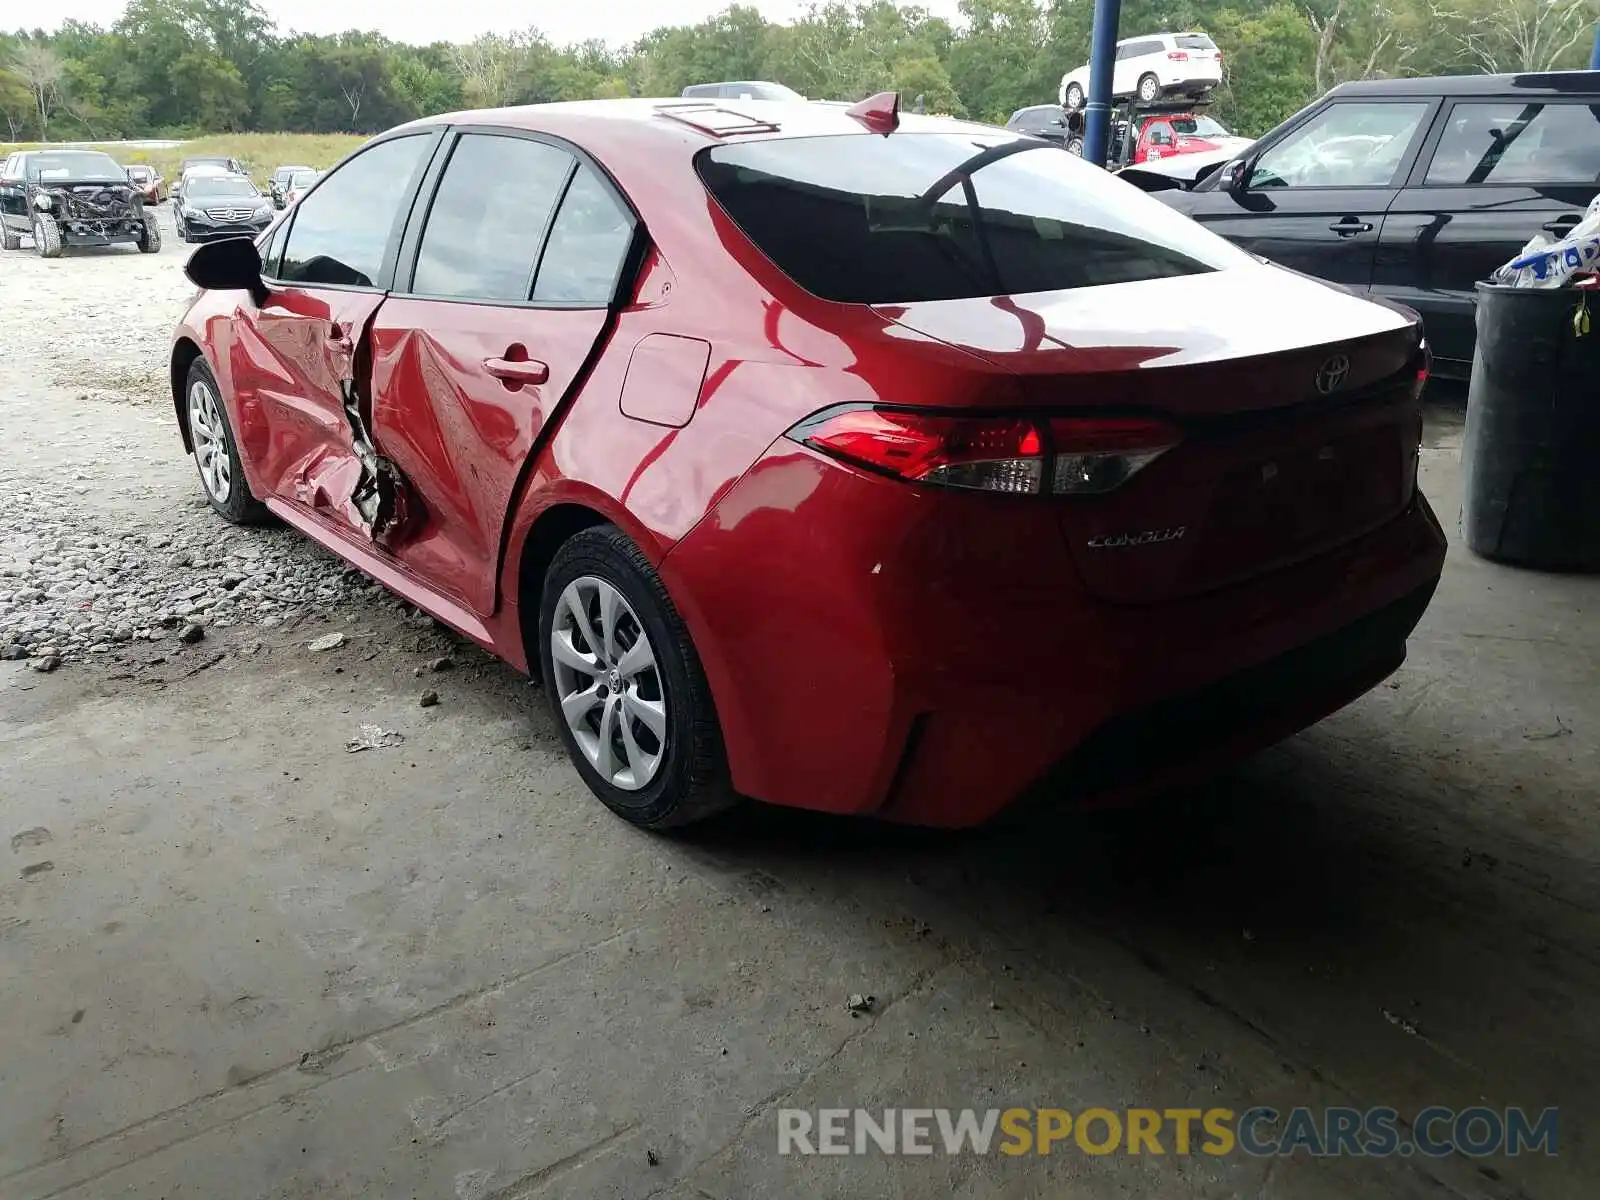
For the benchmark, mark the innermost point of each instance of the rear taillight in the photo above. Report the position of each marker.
(1424, 363)
(1178, 55)
(1097, 454)
(1008, 454)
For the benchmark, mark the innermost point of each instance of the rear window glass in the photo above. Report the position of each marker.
(941, 216)
(1195, 41)
(1197, 127)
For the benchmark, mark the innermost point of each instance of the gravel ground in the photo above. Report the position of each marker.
(105, 537)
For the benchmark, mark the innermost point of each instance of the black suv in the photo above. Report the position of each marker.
(1052, 123)
(71, 198)
(1414, 189)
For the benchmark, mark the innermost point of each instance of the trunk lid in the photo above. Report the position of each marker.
(1296, 401)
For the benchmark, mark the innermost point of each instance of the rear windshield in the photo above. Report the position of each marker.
(1197, 127)
(1195, 41)
(942, 216)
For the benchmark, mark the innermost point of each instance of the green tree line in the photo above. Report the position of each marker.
(176, 67)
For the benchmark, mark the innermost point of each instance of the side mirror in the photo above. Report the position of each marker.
(229, 265)
(1236, 177)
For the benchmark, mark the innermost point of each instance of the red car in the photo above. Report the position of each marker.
(1169, 134)
(150, 184)
(840, 459)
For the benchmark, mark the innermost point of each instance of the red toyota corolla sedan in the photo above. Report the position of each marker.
(841, 459)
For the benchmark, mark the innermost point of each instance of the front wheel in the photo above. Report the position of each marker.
(46, 236)
(216, 451)
(150, 239)
(9, 240)
(626, 688)
(1149, 89)
(1073, 99)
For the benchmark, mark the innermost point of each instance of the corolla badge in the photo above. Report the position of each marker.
(1331, 375)
(1144, 537)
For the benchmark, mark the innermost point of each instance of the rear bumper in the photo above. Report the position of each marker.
(1137, 753)
(1184, 81)
(875, 652)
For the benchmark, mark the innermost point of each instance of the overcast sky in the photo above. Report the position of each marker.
(615, 21)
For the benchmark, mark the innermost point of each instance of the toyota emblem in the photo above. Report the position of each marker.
(1330, 376)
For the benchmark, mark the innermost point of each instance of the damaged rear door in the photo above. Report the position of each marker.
(500, 302)
(303, 356)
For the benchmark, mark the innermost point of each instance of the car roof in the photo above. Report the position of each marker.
(603, 126)
(1551, 83)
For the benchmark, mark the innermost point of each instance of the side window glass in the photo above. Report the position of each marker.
(587, 244)
(1350, 144)
(1504, 141)
(342, 229)
(488, 218)
(1126, 52)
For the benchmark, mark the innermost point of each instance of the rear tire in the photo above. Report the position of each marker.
(1074, 145)
(46, 236)
(1073, 99)
(216, 450)
(656, 780)
(150, 240)
(1149, 89)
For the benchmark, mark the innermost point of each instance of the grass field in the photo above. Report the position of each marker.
(261, 152)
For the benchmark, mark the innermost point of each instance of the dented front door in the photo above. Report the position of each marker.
(300, 360)
(306, 384)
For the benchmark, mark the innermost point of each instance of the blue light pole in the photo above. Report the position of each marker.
(1594, 55)
(1102, 61)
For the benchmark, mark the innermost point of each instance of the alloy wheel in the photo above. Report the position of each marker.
(209, 434)
(608, 683)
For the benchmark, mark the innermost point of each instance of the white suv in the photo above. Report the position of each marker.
(1153, 66)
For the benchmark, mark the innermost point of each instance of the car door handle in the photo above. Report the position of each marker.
(514, 370)
(1561, 224)
(1349, 227)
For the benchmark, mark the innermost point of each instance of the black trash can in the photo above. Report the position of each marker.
(1531, 452)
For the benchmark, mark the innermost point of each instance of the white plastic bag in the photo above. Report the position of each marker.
(1543, 263)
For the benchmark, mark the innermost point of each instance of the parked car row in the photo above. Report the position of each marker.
(70, 197)
(1137, 135)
